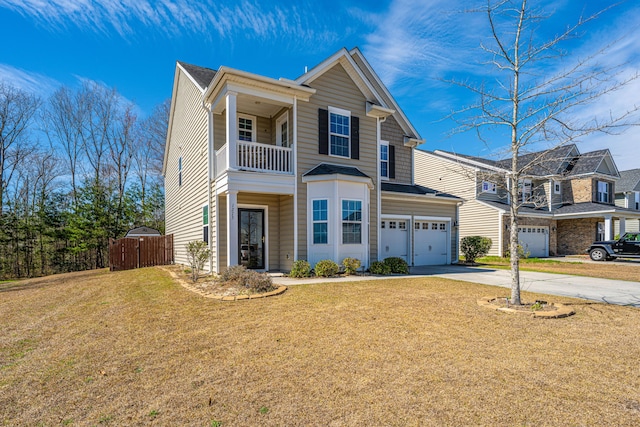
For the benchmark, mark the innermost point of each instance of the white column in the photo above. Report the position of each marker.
(623, 226)
(232, 228)
(608, 227)
(232, 130)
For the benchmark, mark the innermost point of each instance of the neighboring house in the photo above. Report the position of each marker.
(567, 197)
(142, 232)
(270, 171)
(628, 196)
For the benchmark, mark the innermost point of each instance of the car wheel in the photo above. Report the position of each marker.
(598, 254)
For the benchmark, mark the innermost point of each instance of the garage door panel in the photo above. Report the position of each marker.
(395, 238)
(431, 243)
(534, 240)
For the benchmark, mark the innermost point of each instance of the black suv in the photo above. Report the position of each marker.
(628, 246)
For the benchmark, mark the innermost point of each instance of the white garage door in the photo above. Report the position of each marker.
(431, 243)
(395, 238)
(534, 240)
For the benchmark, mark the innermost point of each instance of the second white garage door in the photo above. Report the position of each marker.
(535, 241)
(431, 243)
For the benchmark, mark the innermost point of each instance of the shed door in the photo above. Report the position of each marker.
(394, 235)
(534, 240)
(431, 243)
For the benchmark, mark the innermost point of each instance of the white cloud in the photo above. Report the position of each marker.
(226, 20)
(34, 83)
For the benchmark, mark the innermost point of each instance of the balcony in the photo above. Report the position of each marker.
(255, 157)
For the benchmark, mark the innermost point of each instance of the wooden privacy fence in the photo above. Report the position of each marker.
(136, 252)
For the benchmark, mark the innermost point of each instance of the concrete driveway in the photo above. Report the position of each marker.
(603, 290)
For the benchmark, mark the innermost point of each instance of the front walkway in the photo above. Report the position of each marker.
(618, 292)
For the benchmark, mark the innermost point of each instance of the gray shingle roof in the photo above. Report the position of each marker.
(587, 162)
(523, 209)
(588, 207)
(329, 169)
(201, 75)
(629, 181)
(412, 189)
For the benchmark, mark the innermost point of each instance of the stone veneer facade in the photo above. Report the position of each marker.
(573, 233)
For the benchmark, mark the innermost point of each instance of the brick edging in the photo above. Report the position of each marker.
(562, 310)
(281, 289)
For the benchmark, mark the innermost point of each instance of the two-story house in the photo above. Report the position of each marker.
(627, 195)
(566, 198)
(268, 171)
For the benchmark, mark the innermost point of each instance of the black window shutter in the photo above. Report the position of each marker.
(355, 138)
(323, 131)
(392, 161)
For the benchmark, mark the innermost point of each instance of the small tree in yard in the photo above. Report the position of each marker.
(474, 247)
(535, 94)
(197, 256)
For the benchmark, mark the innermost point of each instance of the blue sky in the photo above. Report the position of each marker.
(413, 45)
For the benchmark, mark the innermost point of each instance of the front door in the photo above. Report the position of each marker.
(251, 238)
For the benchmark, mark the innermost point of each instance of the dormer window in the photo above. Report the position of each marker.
(603, 193)
(489, 187)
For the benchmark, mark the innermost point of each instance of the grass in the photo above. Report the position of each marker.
(387, 352)
(605, 270)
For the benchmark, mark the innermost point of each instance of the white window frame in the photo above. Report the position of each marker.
(526, 195)
(386, 161)
(557, 187)
(205, 227)
(324, 221)
(283, 119)
(340, 112)
(489, 187)
(343, 221)
(606, 193)
(254, 130)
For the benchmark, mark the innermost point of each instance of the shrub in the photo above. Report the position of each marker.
(522, 253)
(474, 247)
(326, 268)
(301, 268)
(250, 280)
(379, 267)
(197, 255)
(397, 265)
(351, 265)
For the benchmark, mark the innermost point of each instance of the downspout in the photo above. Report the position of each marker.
(457, 258)
(295, 179)
(210, 175)
(378, 187)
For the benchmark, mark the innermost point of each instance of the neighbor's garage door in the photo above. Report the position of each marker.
(431, 243)
(395, 238)
(534, 240)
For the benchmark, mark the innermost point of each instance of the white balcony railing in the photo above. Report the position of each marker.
(257, 157)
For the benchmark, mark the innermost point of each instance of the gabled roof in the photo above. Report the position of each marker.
(414, 189)
(367, 81)
(202, 76)
(629, 181)
(330, 169)
(545, 162)
(591, 162)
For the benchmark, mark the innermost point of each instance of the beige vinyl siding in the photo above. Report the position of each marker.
(629, 225)
(444, 175)
(285, 231)
(280, 230)
(477, 219)
(183, 208)
(415, 207)
(621, 200)
(499, 196)
(213, 230)
(390, 131)
(336, 89)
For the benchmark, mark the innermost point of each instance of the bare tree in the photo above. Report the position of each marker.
(17, 109)
(534, 96)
